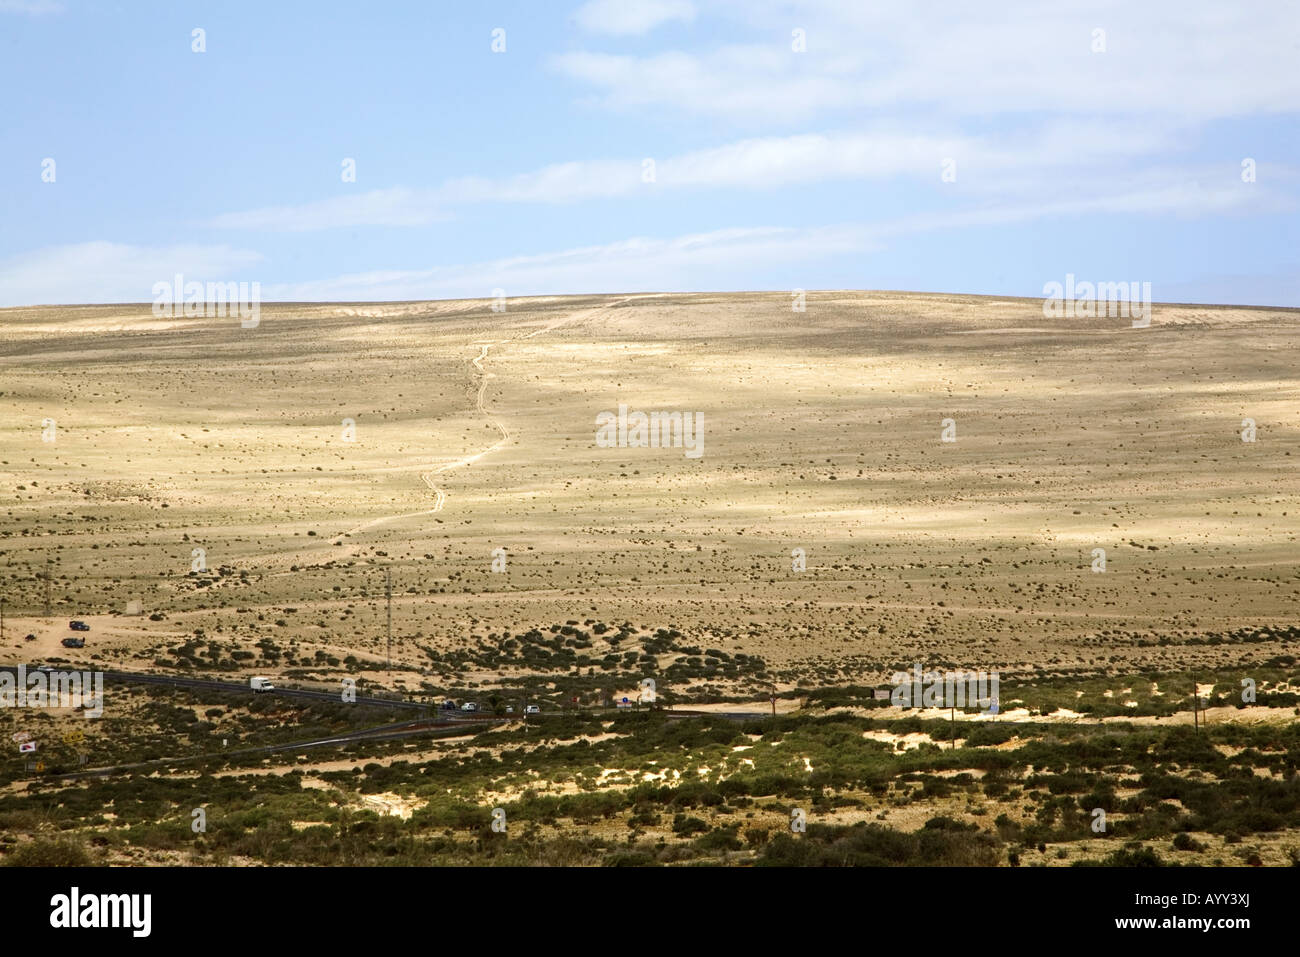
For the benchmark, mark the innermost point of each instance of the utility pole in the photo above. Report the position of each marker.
(953, 711)
(1195, 705)
(2, 619)
(388, 590)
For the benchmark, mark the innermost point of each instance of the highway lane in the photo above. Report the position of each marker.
(385, 732)
(208, 684)
(443, 722)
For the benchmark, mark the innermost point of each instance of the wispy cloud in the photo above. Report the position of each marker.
(697, 261)
(717, 259)
(721, 258)
(115, 272)
(397, 206)
(756, 164)
(631, 17)
(1190, 58)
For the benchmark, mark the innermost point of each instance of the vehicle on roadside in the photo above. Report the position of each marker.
(77, 625)
(74, 642)
(510, 709)
(532, 709)
(469, 706)
(260, 684)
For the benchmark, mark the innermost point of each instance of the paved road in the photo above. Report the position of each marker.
(442, 722)
(386, 732)
(208, 684)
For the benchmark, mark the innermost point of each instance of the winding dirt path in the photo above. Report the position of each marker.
(429, 477)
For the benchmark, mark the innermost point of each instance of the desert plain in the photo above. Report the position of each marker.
(255, 483)
(1102, 515)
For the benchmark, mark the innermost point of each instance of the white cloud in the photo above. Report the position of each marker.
(381, 207)
(631, 17)
(1188, 58)
(698, 261)
(727, 258)
(720, 259)
(1151, 195)
(758, 163)
(115, 272)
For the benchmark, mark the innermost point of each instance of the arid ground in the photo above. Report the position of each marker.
(822, 431)
(225, 502)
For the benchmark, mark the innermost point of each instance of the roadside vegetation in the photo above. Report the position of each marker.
(641, 788)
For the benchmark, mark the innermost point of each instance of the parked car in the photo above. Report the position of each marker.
(469, 706)
(510, 709)
(449, 705)
(74, 642)
(77, 625)
(532, 709)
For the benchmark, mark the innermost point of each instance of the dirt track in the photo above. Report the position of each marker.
(822, 434)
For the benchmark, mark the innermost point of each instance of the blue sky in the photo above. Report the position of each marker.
(1115, 157)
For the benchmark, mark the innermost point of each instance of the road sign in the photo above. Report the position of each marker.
(27, 747)
(21, 736)
(625, 699)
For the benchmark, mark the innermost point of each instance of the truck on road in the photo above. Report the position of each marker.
(260, 684)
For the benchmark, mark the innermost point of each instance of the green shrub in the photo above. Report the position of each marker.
(719, 839)
(46, 853)
(687, 826)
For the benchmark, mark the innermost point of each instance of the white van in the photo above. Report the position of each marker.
(260, 684)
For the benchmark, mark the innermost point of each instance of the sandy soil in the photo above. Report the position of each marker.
(822, 432)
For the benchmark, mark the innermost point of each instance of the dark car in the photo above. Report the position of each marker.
(31, 637)
(78, 626)
(74, 642)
